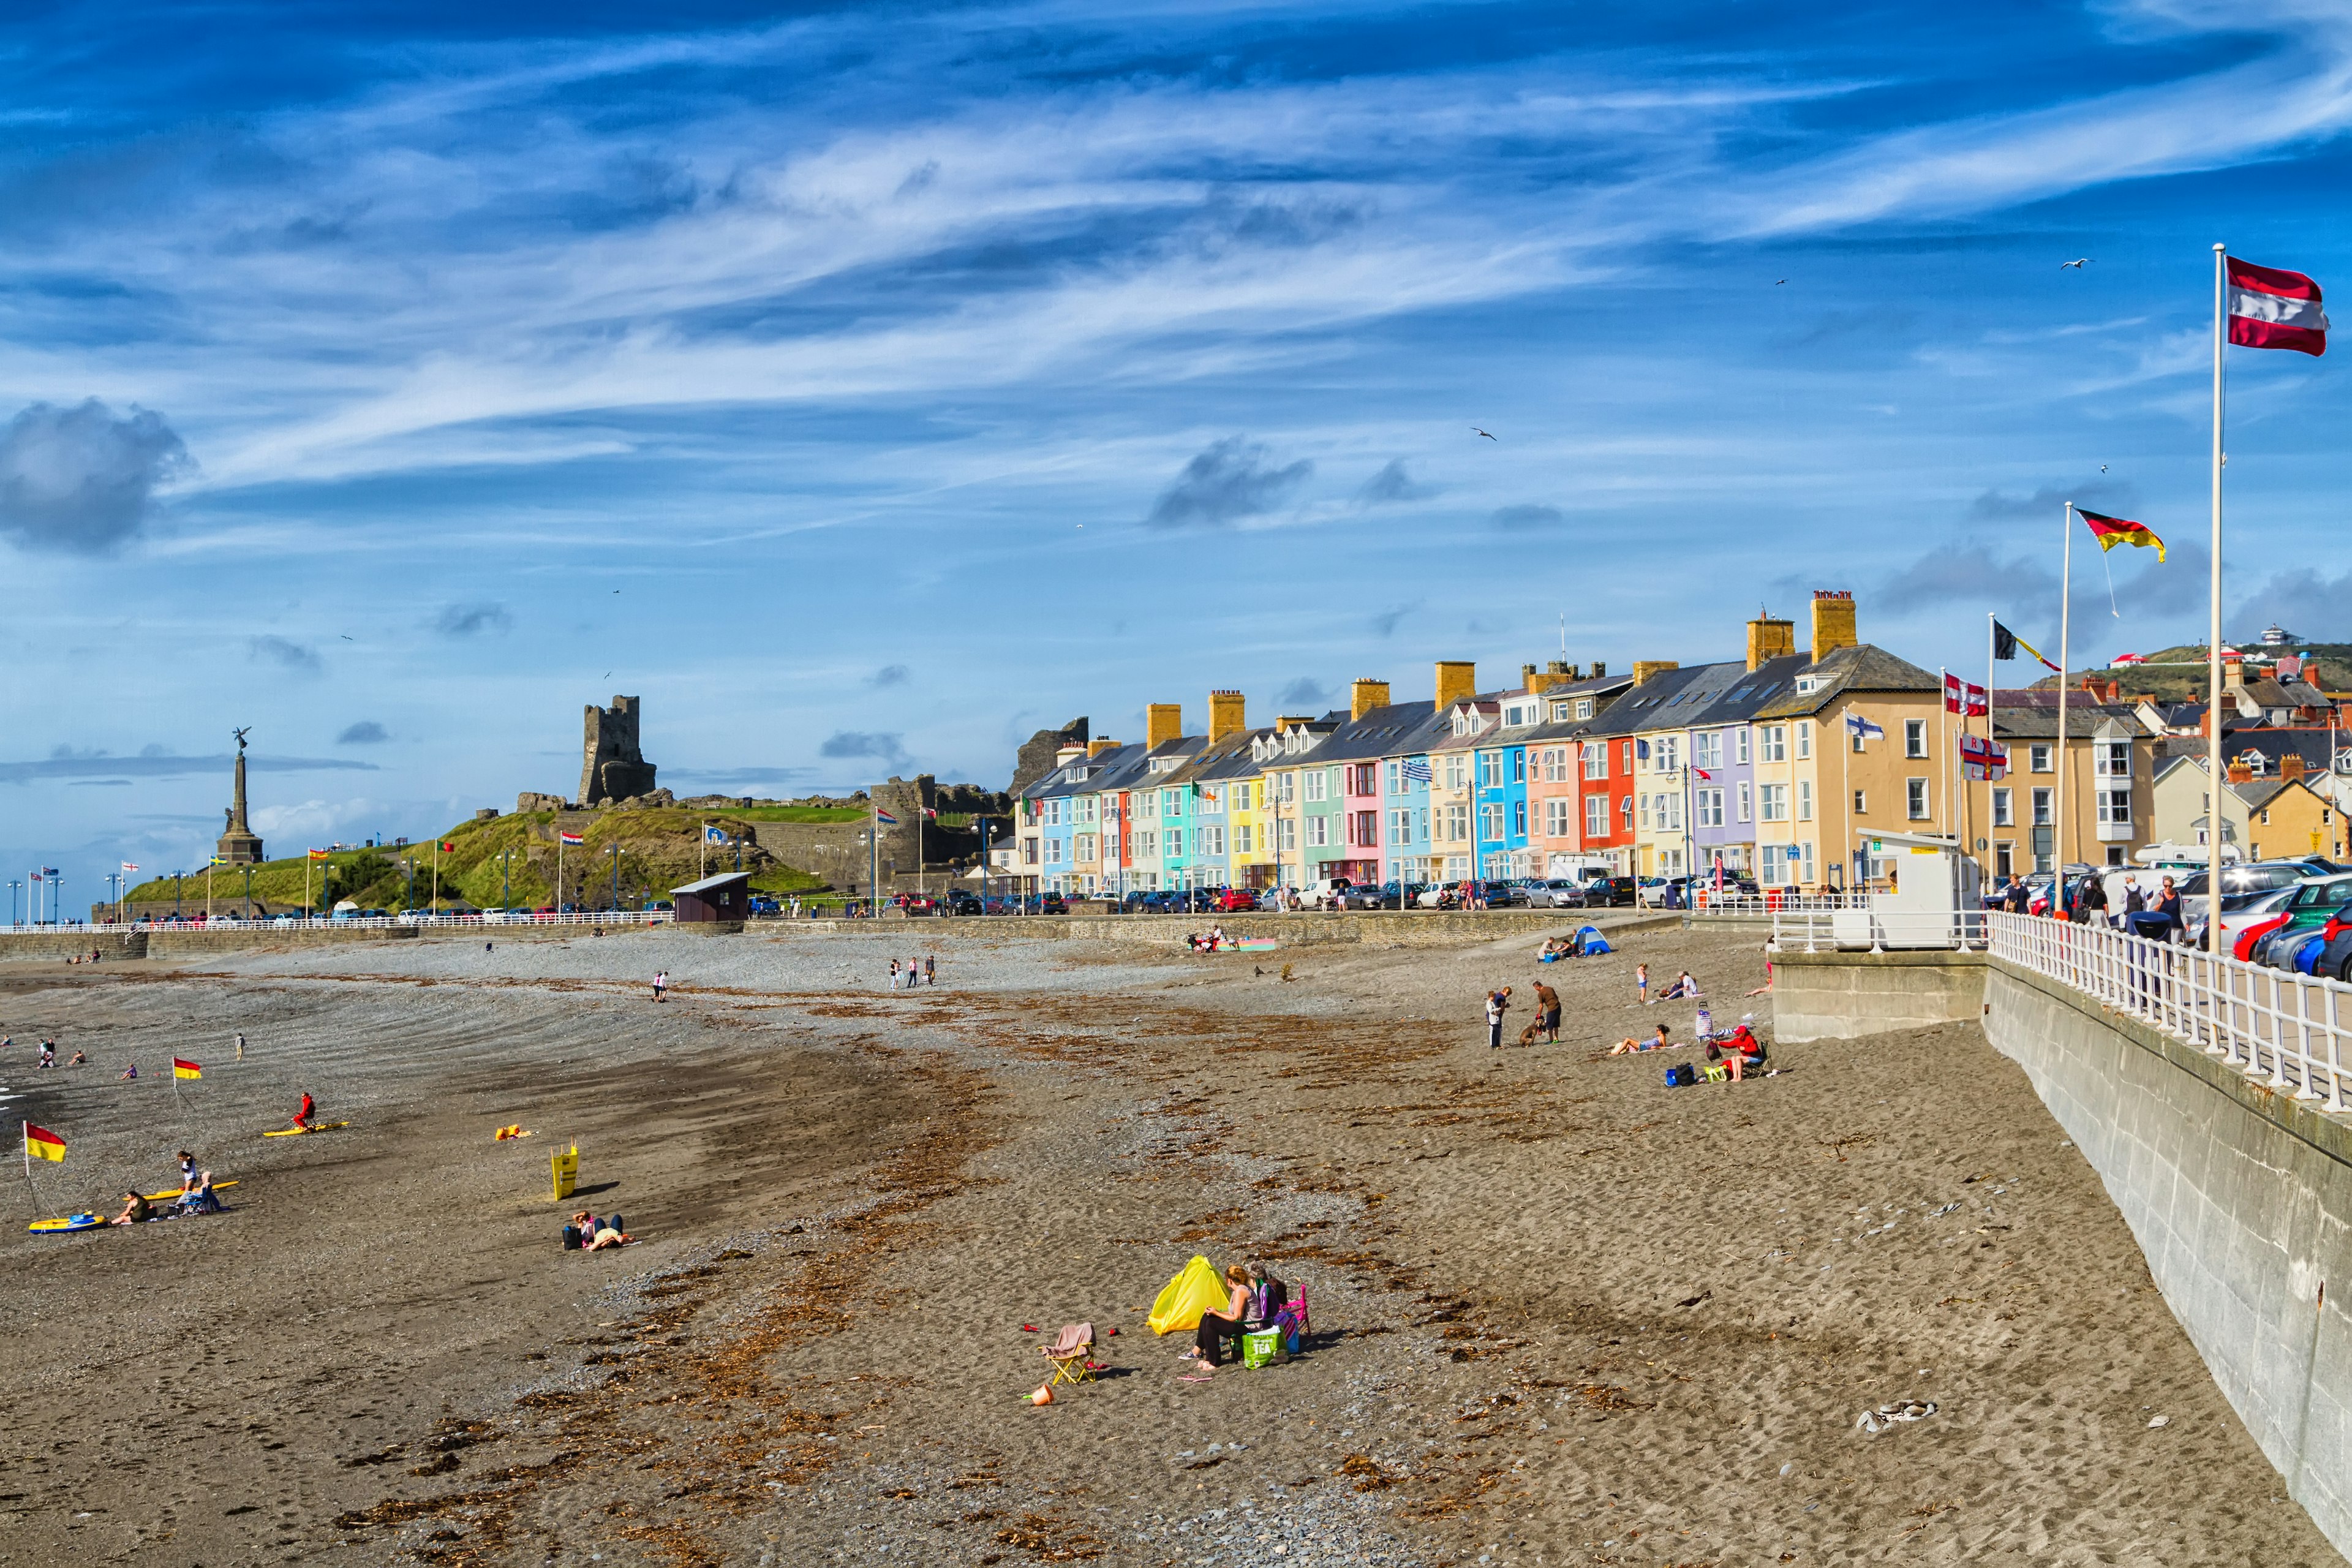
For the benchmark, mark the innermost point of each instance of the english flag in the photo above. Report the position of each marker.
(2274, 309)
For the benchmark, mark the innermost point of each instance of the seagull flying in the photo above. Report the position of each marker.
(1488, 434)
(2077, 264)
(1777, 281)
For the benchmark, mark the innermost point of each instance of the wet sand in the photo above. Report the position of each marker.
(1561, 1313)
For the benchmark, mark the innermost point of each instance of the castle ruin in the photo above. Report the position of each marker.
(612, 768)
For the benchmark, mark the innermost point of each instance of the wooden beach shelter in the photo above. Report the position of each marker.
(722, 899)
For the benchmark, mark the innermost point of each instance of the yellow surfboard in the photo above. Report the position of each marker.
(173, 1195)
(297, 1131)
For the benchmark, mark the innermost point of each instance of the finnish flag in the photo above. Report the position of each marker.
(1862, 728)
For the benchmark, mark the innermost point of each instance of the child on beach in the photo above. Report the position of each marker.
(894, 974)
(1642, 980)
(1498, 1004)
(1683, 989)
(661, 986)
(48, 1054)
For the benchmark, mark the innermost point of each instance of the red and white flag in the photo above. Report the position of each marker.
(1977, 708)
(2271, 309)
(1951, 693)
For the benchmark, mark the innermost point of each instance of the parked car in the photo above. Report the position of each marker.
(2334, 960)
(1328, 892)
(1231, 901)
(963, 902)
(2314, 901)
(1556, 893)
(1051, 904)
(1613, 891)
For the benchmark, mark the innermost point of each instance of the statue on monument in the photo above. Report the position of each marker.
(238, 845)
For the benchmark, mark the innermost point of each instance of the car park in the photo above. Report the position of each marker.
(2314, 901)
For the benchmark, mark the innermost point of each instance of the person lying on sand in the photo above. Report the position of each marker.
(200, 1198)
(135, 1210)
(596, 1233)
(1684, 989)
(1657, 1042)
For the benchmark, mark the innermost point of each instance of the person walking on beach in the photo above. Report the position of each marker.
(240, 1045)
(1642, 981)
(894, 974)
(930, 969)
(661, 984)
(1547, 1012)
(1498, 1004)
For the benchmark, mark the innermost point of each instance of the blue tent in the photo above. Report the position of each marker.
(1589, 941)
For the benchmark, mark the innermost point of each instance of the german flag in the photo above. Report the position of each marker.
(2111, 532)
(43, 1144)
(185, 1068)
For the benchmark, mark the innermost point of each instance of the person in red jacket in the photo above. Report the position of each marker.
(302, 1116)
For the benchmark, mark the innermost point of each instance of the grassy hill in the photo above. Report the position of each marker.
(512, 859)
(2179, 673)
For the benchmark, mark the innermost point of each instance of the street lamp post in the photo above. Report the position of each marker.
(14, 883)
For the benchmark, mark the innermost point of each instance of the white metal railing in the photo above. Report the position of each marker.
(2287, 1030)
(324, 922)
(1772, 900)
(1858, 926)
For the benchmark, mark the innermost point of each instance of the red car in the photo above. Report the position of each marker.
(1233, 900)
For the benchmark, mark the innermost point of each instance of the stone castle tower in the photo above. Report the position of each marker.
(611, 765)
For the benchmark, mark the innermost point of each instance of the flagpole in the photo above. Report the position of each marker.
(1990, 643)
(559, 871)
(25, 1130)
(2065, 662)
(2213, 650)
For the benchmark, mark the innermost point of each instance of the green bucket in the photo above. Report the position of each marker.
(1260, 1346)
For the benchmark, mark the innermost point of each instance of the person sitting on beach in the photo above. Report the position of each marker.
(187, 1172)
(1742, 1051)
(199, 1197)
(130, 1071)
(50, 1053)
(135, 1210)
(78, 1059)
(302, 1116)
(1684, 989)
(1216, 1328)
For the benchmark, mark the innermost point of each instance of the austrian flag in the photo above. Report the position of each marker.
(2271, 309)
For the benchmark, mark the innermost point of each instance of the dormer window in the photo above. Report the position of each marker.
(1559, 712)
(1809, 683)
(1584, 707)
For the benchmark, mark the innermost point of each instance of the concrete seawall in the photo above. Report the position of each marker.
(1846, 995)
(1368, 927)
(2242, 1201)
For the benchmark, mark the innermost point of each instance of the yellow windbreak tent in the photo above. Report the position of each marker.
(1198, 1288)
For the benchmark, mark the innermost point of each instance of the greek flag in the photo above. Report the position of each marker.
(1862, 728)
(1416, 771)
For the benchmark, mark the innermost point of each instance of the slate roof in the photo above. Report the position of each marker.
(1865, 667)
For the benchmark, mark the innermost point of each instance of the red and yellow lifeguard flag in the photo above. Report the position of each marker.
(185, 1068)
(43, 1144)
(317, 854)
(2111, 532)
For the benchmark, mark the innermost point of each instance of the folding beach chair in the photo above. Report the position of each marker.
(1069, 1353)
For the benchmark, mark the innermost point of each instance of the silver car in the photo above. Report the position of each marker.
(1555, 893)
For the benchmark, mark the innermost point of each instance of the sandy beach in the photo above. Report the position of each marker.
(1561, 1313)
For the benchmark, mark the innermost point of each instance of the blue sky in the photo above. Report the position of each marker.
(867, 386)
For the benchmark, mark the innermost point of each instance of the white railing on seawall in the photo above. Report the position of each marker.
(1773, 901)
(438, 922)
(1858, 926)
(2287, 1030)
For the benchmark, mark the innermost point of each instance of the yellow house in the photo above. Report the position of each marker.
(2288, 818)
(1861, 744)
(2108, 799)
